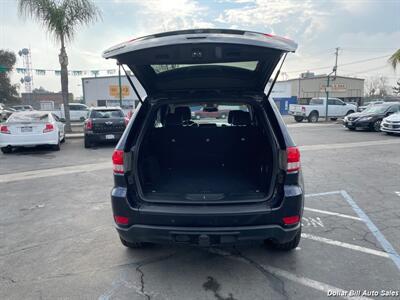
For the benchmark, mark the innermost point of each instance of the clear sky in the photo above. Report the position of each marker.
(365, 30)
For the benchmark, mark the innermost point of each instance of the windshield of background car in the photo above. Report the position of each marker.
(29, 117)
(316, 101)
(376, 109)
(107, 113)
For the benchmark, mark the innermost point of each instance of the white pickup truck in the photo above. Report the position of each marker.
(317, 108)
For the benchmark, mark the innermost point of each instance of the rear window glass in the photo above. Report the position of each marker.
(316, 101)
(199, 114)
(247, 65)
(116, 113)
(29, 117)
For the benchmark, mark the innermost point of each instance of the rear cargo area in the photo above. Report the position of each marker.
(205, 161)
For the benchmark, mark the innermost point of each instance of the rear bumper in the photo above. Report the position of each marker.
(207, 236)
(102, 137)
(50, 138)
(219, 224)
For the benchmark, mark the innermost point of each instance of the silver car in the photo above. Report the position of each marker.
(391, 124)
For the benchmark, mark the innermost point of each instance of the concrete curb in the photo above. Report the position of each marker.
(74, 135)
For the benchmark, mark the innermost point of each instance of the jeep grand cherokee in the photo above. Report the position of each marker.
(214, 182)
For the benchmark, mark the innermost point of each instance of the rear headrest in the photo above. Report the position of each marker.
(173, 120)
(184, 112)
(239, 117)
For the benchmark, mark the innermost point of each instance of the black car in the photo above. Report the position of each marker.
(371, 117)
(227, 181)
(104, 124)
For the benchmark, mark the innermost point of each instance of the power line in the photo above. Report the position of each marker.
(345, 64)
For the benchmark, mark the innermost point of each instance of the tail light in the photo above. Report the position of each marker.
(4, 129)
(49, 127)
(89, 124)
(126, 120)
(293, 159)
(303, 109)
(121, 220)
(291, 220)
(118, 161)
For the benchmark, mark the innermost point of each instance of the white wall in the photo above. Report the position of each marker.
(282, 89)
(98, 88)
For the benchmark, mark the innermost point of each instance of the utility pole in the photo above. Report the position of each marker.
(334, 70)
(119, 85)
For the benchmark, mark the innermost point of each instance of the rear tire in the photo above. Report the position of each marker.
(56, 147)
(333, 119)
(389, 133)
(313, 117)
(6, 150)
(87, 144)
(133, 245)
(298, 119)
(288, 245)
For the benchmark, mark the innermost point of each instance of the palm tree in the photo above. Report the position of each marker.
(395, 59)
(61, 19)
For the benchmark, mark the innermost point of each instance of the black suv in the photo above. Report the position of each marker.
(104, 124)
(208, 181)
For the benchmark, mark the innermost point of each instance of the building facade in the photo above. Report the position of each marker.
(36, 100)
(301, 90)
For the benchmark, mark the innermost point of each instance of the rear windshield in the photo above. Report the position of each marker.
(201, 114)
(29, 117)
(107, 113)
(316, 101)
(247, 65)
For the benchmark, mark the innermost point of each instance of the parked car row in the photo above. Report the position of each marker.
(378, 117)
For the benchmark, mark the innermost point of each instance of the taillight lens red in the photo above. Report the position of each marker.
(126, 119)
(293, 159)
(89, 124)
(291, 220)
(121, 220)
(118, 161)
(49, 127)
(4, 129)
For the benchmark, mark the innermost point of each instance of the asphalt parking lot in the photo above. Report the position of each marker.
(58, 241)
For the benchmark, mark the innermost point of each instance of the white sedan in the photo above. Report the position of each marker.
(31, 128)
(391, 124)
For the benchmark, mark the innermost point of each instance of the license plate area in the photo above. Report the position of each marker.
(110, 136)
(26, 129)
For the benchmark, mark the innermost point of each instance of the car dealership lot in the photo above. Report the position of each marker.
(58, 239)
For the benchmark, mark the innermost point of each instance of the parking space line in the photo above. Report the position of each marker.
(54, 172)
(317, 285)
(344, 245)
(332, 213)
(322, 194)
(348, 145)
(375, 231)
